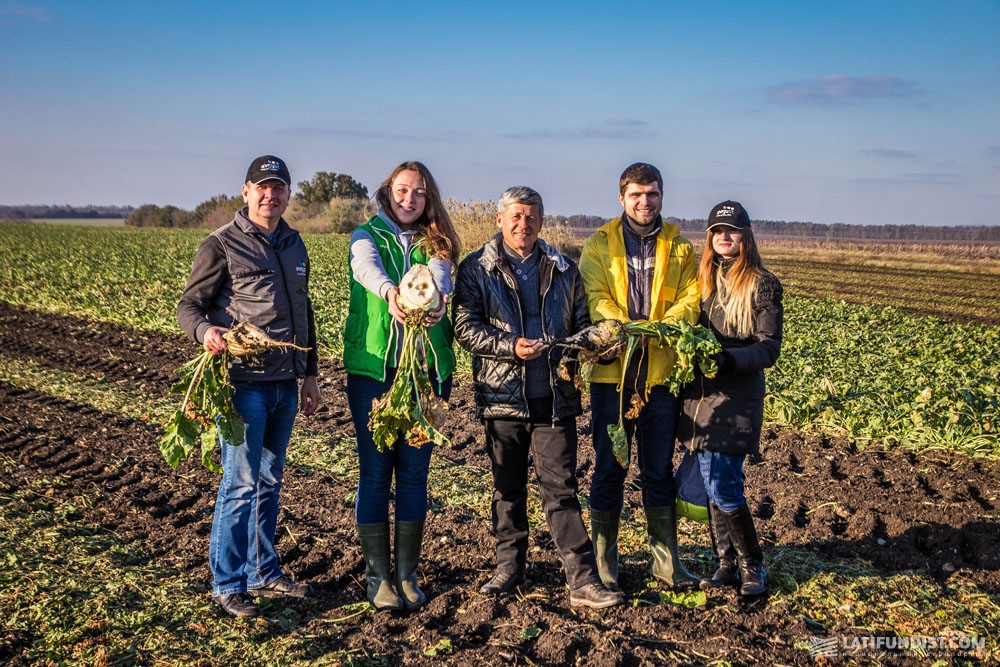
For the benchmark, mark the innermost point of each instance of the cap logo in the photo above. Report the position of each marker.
(271, 165)
(725, 212)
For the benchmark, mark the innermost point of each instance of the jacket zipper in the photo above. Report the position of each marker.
(520, 316)
(288, 300)
(393, 341)
(548, 358)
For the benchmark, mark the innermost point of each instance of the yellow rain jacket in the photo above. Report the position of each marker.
(675, 291)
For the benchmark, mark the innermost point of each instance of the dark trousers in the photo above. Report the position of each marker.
(553, 447)
(654, 433)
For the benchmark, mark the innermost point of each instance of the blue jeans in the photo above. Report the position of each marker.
(654, 433)
(241, 549)
(723, 475)
(376, 469)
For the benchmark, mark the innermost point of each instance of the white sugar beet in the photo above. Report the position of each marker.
(417, 290)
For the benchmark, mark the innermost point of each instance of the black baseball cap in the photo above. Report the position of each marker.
(266, 168)
(730, 214)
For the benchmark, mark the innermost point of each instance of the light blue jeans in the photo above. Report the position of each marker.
(241, 548)
(724, 479)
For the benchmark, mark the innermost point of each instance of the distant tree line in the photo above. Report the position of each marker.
(329, 202)
(336, 203)
(210, 214)
(43, 211)
(326, 185)
(577, 221)
(841, 231)
(815, 230)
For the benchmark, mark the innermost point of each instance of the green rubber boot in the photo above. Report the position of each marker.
(409, 537)
(604, 530)
(661, 524)
(375, 548)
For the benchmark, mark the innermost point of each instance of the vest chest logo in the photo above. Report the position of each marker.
(301, 269)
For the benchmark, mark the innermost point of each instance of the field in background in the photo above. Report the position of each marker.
(953, 281)
(889, 367)
(85, 222)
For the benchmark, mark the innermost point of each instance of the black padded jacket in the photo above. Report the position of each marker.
(726, 413)
(488, 321)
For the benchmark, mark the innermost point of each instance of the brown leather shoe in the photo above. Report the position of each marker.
(237, 604)
(595, 596)
(284, 587)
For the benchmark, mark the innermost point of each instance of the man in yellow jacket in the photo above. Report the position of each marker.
(637, 267)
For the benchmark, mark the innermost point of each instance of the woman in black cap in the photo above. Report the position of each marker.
(721, 417)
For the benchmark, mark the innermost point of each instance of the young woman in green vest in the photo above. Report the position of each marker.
(412, 226)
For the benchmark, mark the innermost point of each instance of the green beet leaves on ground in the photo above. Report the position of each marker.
(205, 413)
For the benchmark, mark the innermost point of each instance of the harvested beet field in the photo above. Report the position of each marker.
(816, 499)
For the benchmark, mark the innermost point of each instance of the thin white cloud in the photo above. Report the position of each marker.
(993, 151)
(614, 128)
(890, 153)
(841, 88)
(913, 178)
(314, 131)
(307, 131)
(632, 122)
(12, 11)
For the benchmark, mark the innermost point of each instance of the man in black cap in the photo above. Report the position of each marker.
(255, 269)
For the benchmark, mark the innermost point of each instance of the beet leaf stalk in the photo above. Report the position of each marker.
(205, 413)
(692, 345)
(411, 406)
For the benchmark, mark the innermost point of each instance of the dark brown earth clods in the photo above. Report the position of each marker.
(891, 509)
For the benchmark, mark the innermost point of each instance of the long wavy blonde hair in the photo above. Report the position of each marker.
(734, 288)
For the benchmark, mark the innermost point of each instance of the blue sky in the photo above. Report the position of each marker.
(861, 112)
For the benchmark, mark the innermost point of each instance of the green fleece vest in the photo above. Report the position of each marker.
(370, 337)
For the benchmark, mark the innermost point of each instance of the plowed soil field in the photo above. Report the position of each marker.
(890, 510)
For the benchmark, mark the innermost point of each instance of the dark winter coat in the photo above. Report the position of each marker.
(240, 276)
(725, 414)
(488, 321)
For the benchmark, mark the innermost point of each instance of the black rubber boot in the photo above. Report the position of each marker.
(725, 552)
(604, 530)
(661, 524)
(753, 578)
(409, 537)
(375, 548)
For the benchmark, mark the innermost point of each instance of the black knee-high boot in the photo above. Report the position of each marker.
(753, 578)
(725, 552)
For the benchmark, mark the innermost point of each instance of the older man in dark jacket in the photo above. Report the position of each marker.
(512, 296)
